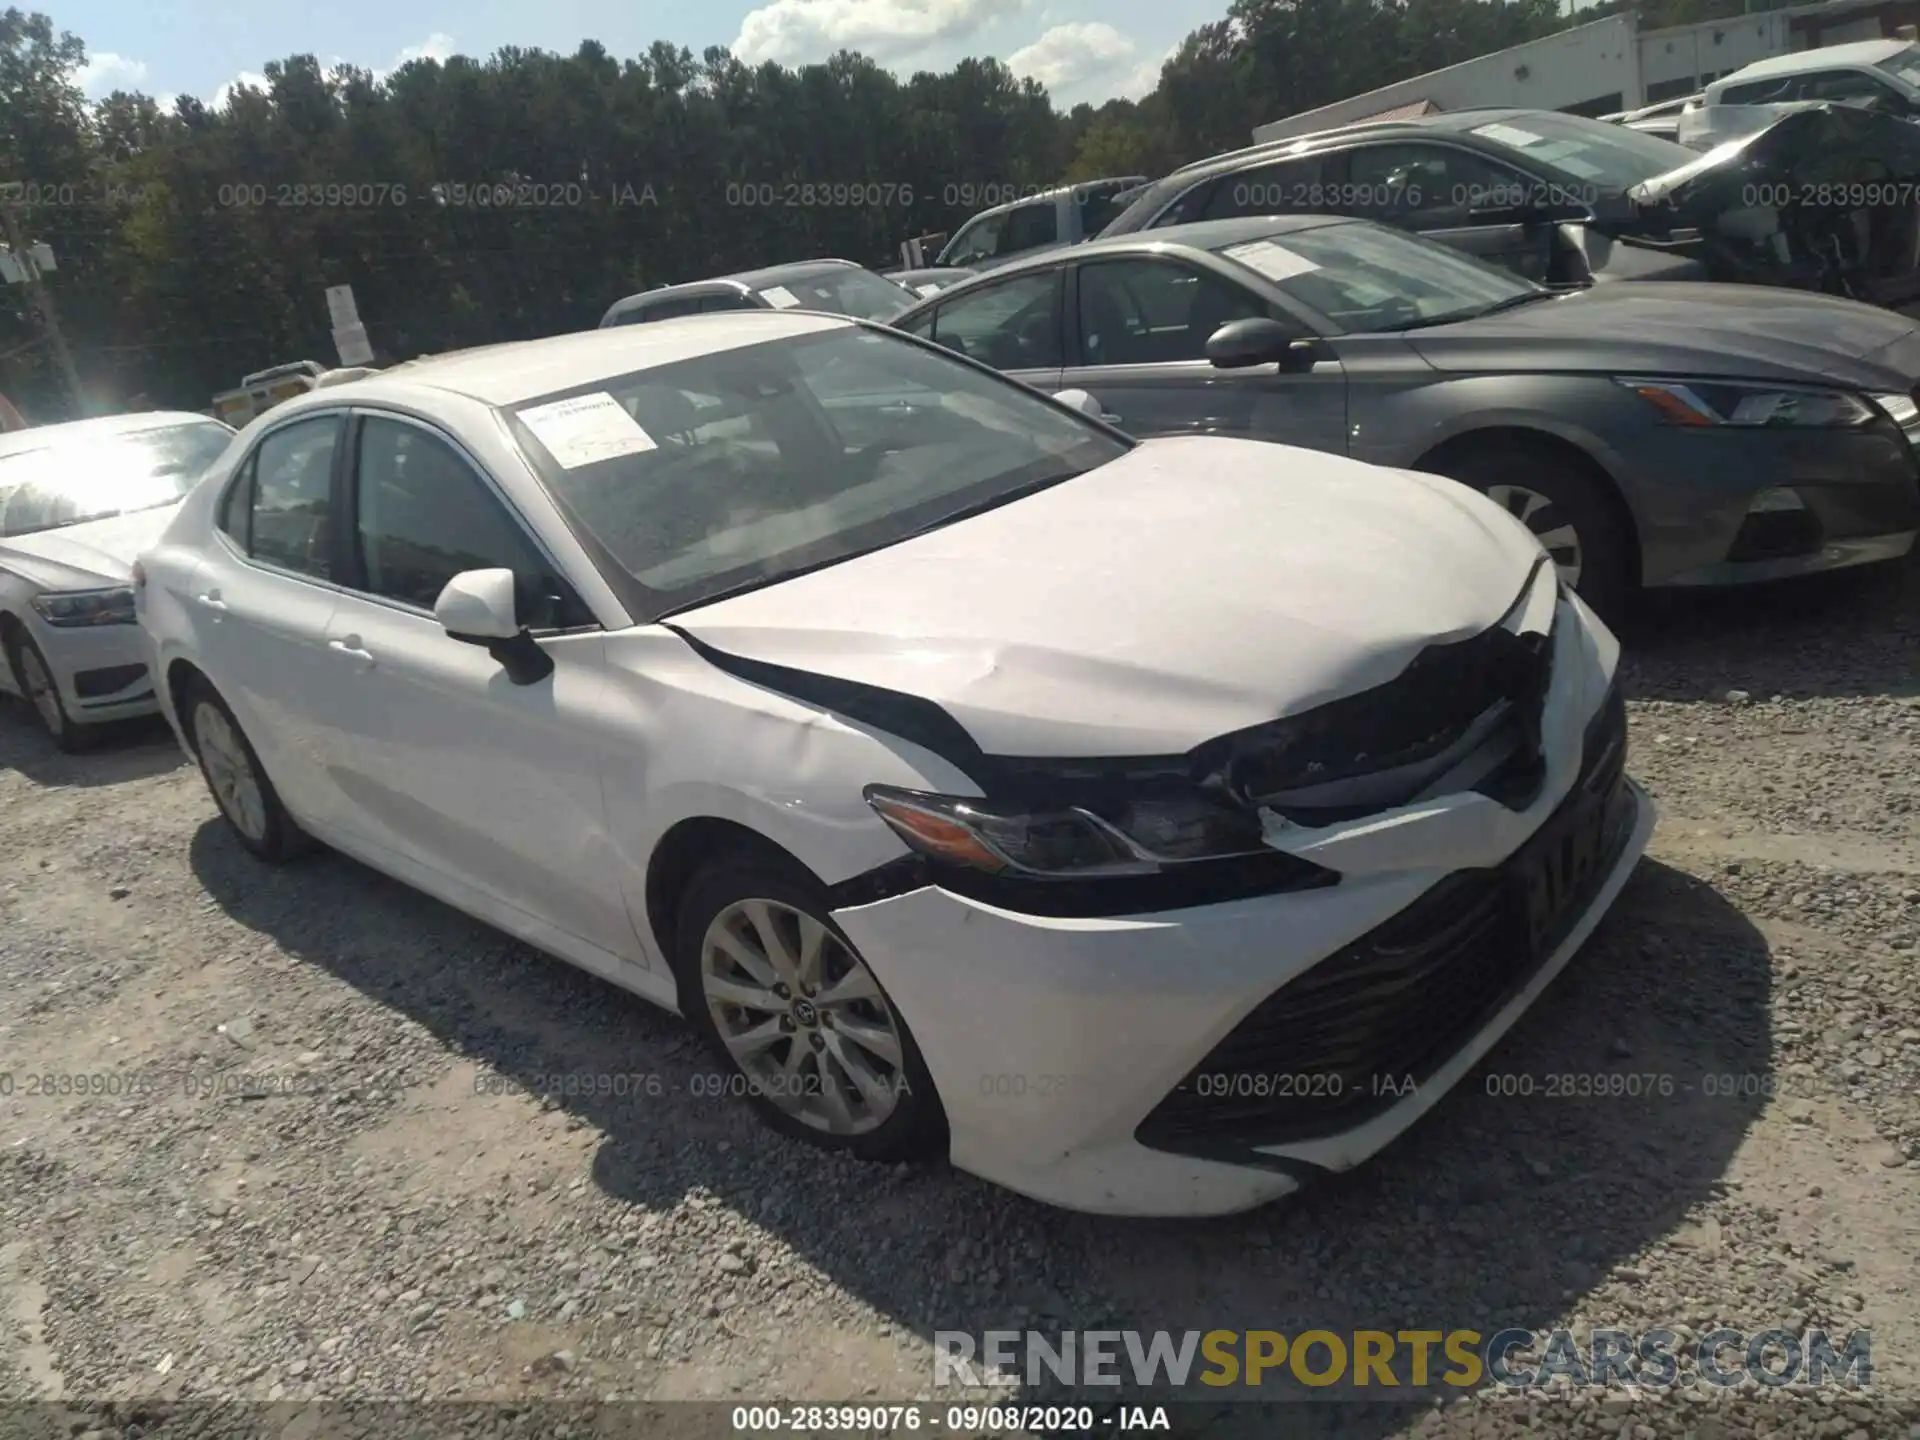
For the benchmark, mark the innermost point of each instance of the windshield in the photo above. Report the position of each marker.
(1143, 203)
(1365, 277)
(747, 466)
(843, 291)
(1100, 203)
(1904, 66)
(1592, 154)
(84, 478)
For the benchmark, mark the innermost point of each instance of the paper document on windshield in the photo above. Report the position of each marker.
(780, 297)
(1509, 135)
(586, 430)
(1276, 262)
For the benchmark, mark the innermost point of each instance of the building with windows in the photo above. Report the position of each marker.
(1610, 65)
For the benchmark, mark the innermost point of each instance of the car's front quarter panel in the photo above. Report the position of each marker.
(1401, 413)
(705, 745)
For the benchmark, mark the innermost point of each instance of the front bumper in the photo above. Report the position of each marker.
(101, 670)
(1693, 494)
(1059, 1046)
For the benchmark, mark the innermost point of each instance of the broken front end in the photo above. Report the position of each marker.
(1824, 198)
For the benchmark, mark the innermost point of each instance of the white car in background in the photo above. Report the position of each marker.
(1146, 826)
(77, 503)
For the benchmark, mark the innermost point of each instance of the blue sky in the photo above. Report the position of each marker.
(1078, 49)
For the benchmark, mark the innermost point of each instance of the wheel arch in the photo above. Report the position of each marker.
(1495, 437)
(181, 675)
(680, 853)
(12, 629)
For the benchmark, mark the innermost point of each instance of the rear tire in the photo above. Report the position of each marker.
(34, 676)
(237, 780)
(1564, 505)
(802, 1029)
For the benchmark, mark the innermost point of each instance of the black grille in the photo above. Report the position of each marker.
(1335, 1046)
(92, 684)
(1776, 535)
(1410, 719)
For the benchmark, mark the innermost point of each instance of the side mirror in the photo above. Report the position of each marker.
(1242, 344)
(1083, 402)
(478, 607)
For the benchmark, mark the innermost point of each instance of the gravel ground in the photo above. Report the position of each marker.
(388, 1222)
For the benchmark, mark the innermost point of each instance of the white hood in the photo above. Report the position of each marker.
(1194, 587)
(99, 552)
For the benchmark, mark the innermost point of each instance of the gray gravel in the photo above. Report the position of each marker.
(378, 1218)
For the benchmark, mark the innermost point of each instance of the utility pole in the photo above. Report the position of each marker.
(22, 255)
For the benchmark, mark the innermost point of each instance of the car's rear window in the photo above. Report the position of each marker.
(841, 291)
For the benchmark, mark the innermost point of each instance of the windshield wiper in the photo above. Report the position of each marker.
(1455, 317)
(1513, 302)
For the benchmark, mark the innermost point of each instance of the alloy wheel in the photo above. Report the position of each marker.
(42, 691)
(229, 772)
(1549, 525)
(802, 1017)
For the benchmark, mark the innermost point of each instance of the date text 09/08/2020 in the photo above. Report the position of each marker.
(968, 1420)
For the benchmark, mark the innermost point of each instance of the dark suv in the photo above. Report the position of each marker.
(1536, 191)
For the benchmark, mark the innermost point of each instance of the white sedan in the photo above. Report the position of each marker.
(77, 503)
(1147, 827)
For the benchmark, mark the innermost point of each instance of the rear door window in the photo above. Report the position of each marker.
(292, 495)
(1290, 187)
(1418, 186)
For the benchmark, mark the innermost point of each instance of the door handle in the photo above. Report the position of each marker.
(1109, 417)
(212, 601)
(350, 647)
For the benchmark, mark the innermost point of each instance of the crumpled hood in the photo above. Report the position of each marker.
(1194, 587)
(1675, 327)
(1811, 197)
(1785, 138)
(100, 552)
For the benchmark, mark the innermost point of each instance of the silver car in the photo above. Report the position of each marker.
(1651, 434)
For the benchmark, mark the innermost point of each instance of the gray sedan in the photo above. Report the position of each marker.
(1651, 434)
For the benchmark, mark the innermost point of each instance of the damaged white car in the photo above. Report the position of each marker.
(1148, 827)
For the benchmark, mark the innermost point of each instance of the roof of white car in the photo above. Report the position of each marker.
(506, 375)
(39, 437)
(1858, 52)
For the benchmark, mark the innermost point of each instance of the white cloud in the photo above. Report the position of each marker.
(1144, 78)
(246, 79)
(798, 31)
(106, 72)
(1068, 54)
(437, 46)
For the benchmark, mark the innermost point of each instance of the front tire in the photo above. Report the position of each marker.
(801, 1027)
(237, 780)
(42, 693)
(1566, 508)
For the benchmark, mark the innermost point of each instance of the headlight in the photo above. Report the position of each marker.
(86, 607)
(1135, 837)
(1699, 403)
